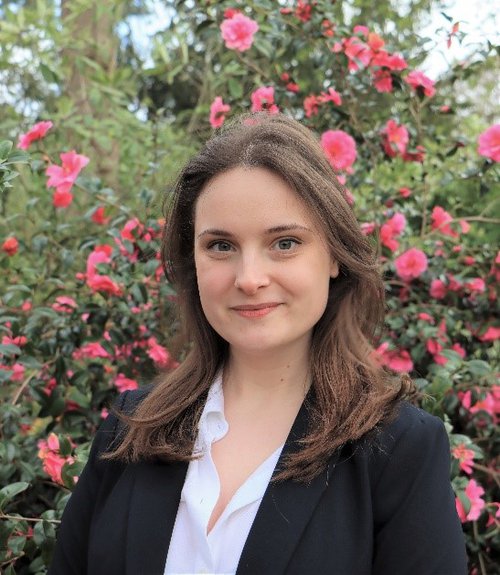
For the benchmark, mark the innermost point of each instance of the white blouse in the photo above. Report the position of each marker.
(218, 553)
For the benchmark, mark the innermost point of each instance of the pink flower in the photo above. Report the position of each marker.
(375, 42)
(397, 360)
(10, 246)
(382, 80)
(396, 138)
(465, 457)
(103, 283)
(392, 228)
(91, 349)
(476, 285)
(124, 383)
(263, 100)
(311, 105)
(37, 132)
(404, 192)
(425, 317)
(441, 221)
(340, 149)
(392, 62)
(238, 31)
(132, 230)
(368, 228)
(53, 461)
(411, 264)
(357, 53)
(491, 334)
(438, 289)
(419, 81)
(63, 177)
(489, 143)
(100, 255)
(217, 112)
(20, 340)
(158, 353)
(473, 491)
(330, 96)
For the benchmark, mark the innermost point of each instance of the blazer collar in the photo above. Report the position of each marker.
(280, 521)
(284, 512)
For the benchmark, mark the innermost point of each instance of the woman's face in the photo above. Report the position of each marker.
(262, 264)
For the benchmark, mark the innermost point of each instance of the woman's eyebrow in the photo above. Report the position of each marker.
(273, 230)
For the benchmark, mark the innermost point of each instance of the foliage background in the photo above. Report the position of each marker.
(138, 117)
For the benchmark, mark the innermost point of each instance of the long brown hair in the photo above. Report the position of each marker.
(352, 394)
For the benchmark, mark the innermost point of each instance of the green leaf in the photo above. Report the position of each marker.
(5, 148)
(10, 491)
(235, 88)
(478, 367)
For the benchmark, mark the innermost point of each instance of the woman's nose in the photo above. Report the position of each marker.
(251, 274)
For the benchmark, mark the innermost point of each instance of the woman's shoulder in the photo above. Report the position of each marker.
(411, 434)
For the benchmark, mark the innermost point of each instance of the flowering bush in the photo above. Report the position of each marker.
(86, 313)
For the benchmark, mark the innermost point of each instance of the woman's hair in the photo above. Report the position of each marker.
(351, 393)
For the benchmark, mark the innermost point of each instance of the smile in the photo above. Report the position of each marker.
(256, 310)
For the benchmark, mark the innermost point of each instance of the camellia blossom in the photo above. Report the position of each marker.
(303, 11)
(473, 491)
(99, 282)
(330, 96)
(340, 149)
(263, 100)
(397, 360)
(238, 31)
(64, 304)
(465, 456)
(37, 132)
(418, 80)
(63, 177)
(62, 198)
(390, 229)
(491, 334)
(98, 216)
(396, 138)
(382, 81)
(438, 289)
(10, 246)
(411, 264)
(489, 143)
(217, 112)
(441, 219)
(311, 105)
(53, 461)
(125, 383)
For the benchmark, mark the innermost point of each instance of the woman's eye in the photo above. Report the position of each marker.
(220, 246)
(286, 244)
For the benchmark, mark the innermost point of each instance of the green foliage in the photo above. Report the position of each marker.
(62, 360)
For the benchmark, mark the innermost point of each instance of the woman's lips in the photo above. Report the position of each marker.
(257, 310)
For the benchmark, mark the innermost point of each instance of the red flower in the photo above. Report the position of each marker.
(375, 42)
(411, 264)
(263, 100)
(396, 138)
(417, 156)
(419, 81)
(238, 31)
(217, 112)
(303, 11)
(465, 456)
(489, 143)
(10, 246)
(404, 192)
(37, 132)
(64, 304)
(340, 149)
(98, 216)
(61, 198)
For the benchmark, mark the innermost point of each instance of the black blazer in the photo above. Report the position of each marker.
(383, 507)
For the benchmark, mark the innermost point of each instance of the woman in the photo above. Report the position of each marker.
(279, 445)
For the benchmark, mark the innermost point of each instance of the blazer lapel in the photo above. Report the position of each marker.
(283, 514)
(153, 509)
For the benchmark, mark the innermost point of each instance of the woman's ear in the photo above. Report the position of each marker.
(334, 269)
